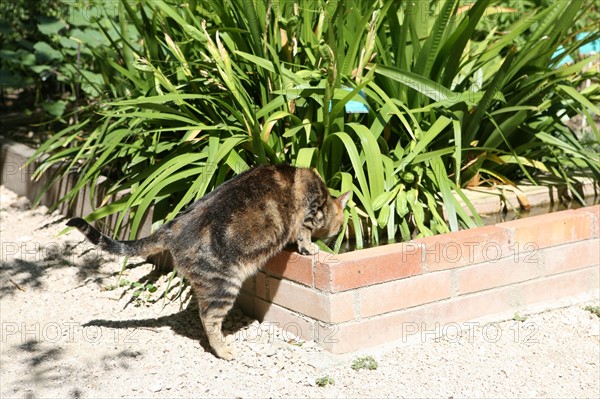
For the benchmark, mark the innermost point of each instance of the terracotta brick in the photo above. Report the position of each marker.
(328, 308)
(513, 269)
(289, 321)
(559, 286)
(245, 301)
(249, 285)
(539, 196)
(397, 295)
(334, 273)
(465, 247)
(571, 256)
(552, 229)
(355, 335)
(292, 266)
(323, 273)
(482, 199)
(595, 212)
(420, 323)
(342, 307)
(261, 285)
(473, 306)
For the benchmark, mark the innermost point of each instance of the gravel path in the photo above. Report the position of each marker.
(69, 330)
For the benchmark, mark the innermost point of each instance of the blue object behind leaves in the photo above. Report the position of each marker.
(588, 48)
(354, 107)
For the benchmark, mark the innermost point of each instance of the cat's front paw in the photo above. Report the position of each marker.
(308, 249)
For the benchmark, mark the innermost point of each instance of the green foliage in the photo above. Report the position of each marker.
(518, 317)
(61, 48)
(142, 293)
(365, 362)
(593, 309)
(324, 381)
(202, 90)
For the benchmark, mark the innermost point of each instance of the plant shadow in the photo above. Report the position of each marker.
(41, 362)
(26, 266)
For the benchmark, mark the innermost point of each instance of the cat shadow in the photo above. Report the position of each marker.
(185, 323)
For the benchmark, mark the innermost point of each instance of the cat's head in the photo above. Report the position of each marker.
(330, 217)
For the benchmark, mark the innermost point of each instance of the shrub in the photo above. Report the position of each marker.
(212, 89)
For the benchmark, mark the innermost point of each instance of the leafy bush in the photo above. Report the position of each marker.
(63, 49)
(213, 88)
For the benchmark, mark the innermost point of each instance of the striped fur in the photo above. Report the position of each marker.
(232, 232)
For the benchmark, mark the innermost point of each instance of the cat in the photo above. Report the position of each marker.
(230, 233)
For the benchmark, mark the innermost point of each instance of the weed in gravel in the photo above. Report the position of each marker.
(146, 289)
(324, 381)
(593, 309)
(139, 290)
(365, 362)
(518, 317)
(295, 342)
(124, 282)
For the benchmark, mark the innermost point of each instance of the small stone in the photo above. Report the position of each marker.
(22, 203)
(297, 377)
(309, 344)
(270, 350)
(155, 386)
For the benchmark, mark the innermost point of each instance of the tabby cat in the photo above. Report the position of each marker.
(230, 233)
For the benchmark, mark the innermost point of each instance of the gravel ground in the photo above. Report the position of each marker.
(69, 330)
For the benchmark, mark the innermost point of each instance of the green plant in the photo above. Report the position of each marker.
(124, 283)
(324, 381)
(295, 342)
(518, 317)
(142, 293)
(365, 362)
(593, 309)
(141, 288)
(212, 90)
(62, 52)
(19, 33)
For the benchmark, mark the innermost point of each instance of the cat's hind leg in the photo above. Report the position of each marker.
(215, 302)
(213, 323)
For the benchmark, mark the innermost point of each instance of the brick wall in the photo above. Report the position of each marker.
(363, 298)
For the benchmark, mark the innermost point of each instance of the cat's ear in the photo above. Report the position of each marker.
(343, 199)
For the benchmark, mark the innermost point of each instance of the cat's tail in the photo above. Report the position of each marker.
(142, 247)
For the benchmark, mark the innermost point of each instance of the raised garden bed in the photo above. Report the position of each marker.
(363, 298)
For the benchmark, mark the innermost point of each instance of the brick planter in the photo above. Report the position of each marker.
(363, 298)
